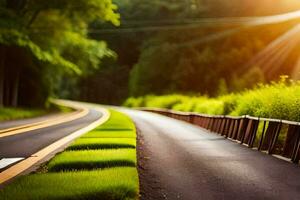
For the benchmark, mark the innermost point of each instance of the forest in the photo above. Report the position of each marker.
(110, 50)
(41, 42)
(184, 59)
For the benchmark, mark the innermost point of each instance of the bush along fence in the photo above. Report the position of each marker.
(273, 136)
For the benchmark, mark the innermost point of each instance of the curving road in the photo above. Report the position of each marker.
(180, 161)
(25, 144)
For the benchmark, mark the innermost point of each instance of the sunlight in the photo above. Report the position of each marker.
(274, 55)
(277, 18)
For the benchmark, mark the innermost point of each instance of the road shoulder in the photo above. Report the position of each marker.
(150, 186)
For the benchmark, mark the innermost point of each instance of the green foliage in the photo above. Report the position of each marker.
(164, 102)
(173, 62)
(54, 35)
(176, 61)
(19, 113)
(134, 102)
(15, 38)
(8, 113)
(278, 100)
(57, 18)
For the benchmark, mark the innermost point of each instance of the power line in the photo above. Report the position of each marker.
(206, 22)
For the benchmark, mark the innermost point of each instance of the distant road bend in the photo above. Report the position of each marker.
(178, 160)
(20, 146)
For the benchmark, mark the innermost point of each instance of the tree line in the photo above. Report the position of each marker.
(41, 42)
(56, 48)
(174, 61)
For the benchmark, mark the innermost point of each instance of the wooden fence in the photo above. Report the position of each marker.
(273, 136)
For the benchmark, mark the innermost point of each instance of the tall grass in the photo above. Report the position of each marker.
(19, 113)
(280, 100)
(9, 113)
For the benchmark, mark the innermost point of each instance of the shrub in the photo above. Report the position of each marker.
(279, 100)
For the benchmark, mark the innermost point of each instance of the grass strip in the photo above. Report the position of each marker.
(117, 122)
(92, 159)
(99, 165)
(102, 143)
(112, 184)
(110, 134)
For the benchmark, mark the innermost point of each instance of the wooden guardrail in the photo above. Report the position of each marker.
(273, 136)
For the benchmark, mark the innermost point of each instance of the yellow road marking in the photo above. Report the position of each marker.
(45, 123)
(27, 163)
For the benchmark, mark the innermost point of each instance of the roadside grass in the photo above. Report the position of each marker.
(109, 134)
(102, 143)
(114, 184)
(9, 113)
(92, 159)
(19, 113)
(279, 100)
(99, 165)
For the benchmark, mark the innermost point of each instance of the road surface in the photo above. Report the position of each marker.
(23, 145)
(178, 160)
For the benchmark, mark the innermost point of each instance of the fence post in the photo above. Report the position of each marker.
(274, 138)
(295, 153)
(243, 130)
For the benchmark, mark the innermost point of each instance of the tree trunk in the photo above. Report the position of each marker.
(15, 89)
(2, 65)
(7, 92)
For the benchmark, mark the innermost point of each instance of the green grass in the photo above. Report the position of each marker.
(99, 165)
(8, 113)
(118, 121)
(19, 113)
(102, 143)
(110, 134)
(92, 159)
(279, 100)
(113, 184)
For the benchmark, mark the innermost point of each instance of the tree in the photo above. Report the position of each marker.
(193, 67)
(172, 60)
(43, 36)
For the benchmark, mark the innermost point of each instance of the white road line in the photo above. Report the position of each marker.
(4, 162)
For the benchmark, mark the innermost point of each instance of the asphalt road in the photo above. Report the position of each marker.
(25, 144)
(180, 161)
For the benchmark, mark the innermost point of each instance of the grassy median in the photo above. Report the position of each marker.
(93, 159)
(103, 143)
(99, 165)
